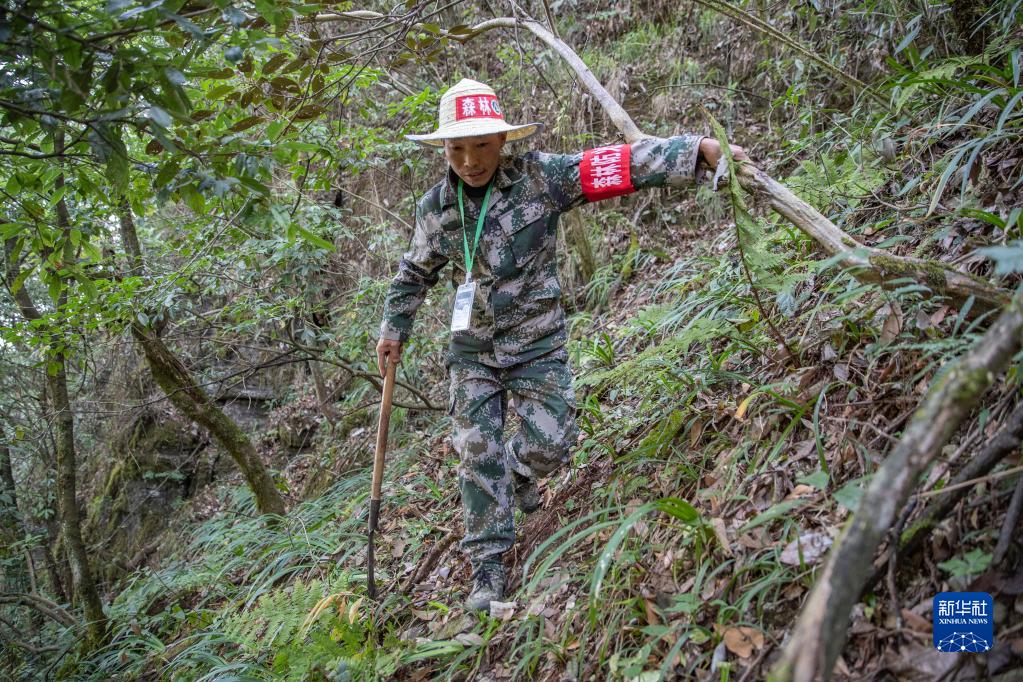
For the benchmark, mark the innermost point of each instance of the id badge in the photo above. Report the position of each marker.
(462, 313)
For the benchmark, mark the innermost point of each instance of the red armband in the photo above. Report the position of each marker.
(604, 172)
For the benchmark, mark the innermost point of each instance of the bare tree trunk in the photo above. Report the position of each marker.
(820, 633)
(186, 395)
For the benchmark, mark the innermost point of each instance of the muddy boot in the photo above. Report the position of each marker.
(527, 495)
(487, 586)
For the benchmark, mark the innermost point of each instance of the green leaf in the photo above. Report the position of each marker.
(160, 116)
(310, 237)
(611, 548)
(174, 76)
(193, 198)
(849, 494)
(1008, 259)
(117, 160)
(679, 509)
(774, 512)
(19, 281)
(167, 173)
(254, 185)
(87, 285)
(973, 562)
(817, 479)
(953, 164)
(54, 288)
(8, 230)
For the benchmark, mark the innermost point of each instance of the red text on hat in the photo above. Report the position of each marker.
(604, 172)
(477, 106)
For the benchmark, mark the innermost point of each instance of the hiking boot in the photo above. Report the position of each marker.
(487, 586)
(527, 495)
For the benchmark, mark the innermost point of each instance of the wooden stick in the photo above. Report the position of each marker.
(378, 474)
(382, 426)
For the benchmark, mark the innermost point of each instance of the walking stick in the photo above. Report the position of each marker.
(378, 471)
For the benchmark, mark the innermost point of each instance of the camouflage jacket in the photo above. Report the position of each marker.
(517, 313)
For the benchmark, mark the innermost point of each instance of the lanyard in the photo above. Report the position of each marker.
(470, 255)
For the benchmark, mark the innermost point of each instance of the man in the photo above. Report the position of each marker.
(494, 218)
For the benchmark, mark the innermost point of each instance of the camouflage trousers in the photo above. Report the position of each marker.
(542, 396)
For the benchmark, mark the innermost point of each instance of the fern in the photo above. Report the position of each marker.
(277, 616)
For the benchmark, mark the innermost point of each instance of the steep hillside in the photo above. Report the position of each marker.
(738, 388)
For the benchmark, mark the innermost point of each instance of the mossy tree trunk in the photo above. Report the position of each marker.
(67, 457)
(70, 518)
(62, 417)
(185, 394)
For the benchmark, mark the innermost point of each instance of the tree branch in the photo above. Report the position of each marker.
(41, 604)
(820, 633)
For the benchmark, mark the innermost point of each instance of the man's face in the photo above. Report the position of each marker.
(474, 159)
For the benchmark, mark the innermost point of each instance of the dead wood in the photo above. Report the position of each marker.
(427, 565)
(820, 633)
(867, 263)
(1005, 442)
(1011, 518)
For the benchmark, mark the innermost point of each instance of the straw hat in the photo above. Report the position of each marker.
(468, 109)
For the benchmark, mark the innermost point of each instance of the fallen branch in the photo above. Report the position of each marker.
(41, 604)
(1005, 442)
(867, 263)
(820, 633)
(431, 559)
(1011, 517)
